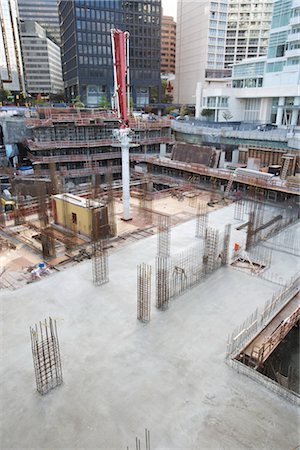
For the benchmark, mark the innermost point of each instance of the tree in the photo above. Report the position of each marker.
(4, 94)
(78, 103)
(227, 115)
(207, 112)
(184, 110)
(148, 109)
(169, 109)
(39, 100)
(104, 103)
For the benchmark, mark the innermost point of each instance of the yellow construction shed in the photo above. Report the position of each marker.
(80, 215)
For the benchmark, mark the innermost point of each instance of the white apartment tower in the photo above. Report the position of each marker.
(11, 64)
(265, 89)
(248, 27)
(212, 36)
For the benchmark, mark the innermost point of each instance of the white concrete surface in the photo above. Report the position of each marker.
(121, 376)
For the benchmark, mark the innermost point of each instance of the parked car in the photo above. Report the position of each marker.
(266, 127)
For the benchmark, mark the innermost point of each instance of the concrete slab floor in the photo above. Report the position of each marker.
(121, 376)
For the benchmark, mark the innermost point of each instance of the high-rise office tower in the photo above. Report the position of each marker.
(213, 35)
(45, 12)
(11, 64)
(86, 48)
(42, 60)
(168, 44)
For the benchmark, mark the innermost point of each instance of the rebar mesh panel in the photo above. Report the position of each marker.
(162, 282)
(99, 263)
(46, 356)
(201, 219)
(186, 270)
(143, 292)
(259, 210)
(240, 208)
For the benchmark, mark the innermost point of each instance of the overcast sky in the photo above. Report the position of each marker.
(169, 8)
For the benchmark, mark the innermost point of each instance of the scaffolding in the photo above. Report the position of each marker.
(201, 219)
(143, 292)
(99, 263)
(46, 356)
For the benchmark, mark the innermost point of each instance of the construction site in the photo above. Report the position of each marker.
(149, 286)
(156, 304)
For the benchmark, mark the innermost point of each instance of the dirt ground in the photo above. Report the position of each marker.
(14, 263)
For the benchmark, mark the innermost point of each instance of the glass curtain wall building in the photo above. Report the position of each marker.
(45, 13)
(86, 48)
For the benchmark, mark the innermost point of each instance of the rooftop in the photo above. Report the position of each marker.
(78, 201)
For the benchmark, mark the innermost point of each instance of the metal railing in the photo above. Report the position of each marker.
(224, 174)
(44, 145)
(238, 131)
(291, 396)
(255, 323)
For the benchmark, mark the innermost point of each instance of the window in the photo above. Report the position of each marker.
(74, 218)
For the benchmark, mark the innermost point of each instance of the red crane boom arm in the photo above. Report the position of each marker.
(119, 41)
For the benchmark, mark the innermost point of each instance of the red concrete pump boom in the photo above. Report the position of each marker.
(120, 51)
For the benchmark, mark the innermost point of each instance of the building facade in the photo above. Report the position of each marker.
(42, 60)
(212, 36)
(11, 62)
(81, 143)
(265, 89)
(247, 30)
(45, 13)
(168, 45)
(87, 55)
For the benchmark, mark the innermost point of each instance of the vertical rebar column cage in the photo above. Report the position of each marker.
(201, 219)
(46, 356)
(211, 250)
(226, 242)
(162, 283)
(250, 231)
(99, 263)
(163, 247)
(143, 292)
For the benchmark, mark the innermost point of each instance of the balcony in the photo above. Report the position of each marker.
(295, 20)
(217, 73)
(293, 37)
(291, 53)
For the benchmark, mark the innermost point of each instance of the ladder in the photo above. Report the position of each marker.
(230, 183)
(286, 165)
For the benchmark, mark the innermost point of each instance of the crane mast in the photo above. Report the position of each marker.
(120, 52)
